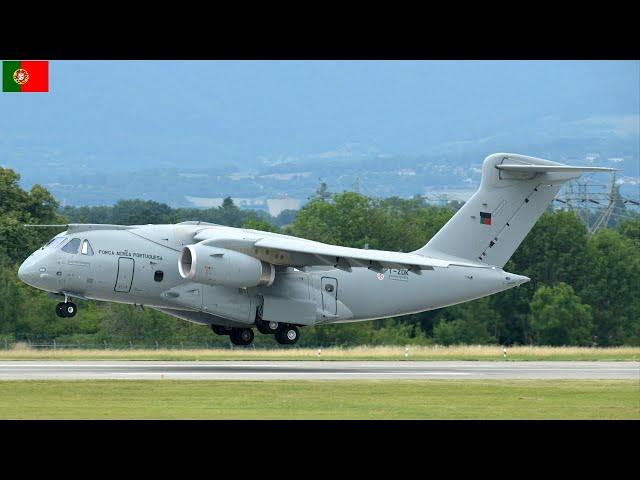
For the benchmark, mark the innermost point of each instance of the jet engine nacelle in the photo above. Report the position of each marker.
(220, 266)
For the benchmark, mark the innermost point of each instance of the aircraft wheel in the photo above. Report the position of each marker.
(241, 336)
(59, 310)
(288, 335)
(69, 309)
(220, 330)
(267, 327)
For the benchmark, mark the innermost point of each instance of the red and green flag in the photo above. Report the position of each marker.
(25, 76)
(485, 218)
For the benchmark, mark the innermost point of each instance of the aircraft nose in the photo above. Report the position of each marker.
(23, 272)
(28, 272)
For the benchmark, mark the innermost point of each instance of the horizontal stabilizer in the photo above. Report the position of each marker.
(553, 168)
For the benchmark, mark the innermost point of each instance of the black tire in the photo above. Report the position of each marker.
(267, 328)
(241, 336)
(220, 330)
(69, 309)
(59, 310)
(288, 335)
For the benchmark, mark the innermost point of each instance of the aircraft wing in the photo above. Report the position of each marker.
(316, 253)
(298, 252)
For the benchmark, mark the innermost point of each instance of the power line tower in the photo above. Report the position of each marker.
(605, 215)
(594, 203)
(322, 192)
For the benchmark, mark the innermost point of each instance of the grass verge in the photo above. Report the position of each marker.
(431, 399)
(472, 352)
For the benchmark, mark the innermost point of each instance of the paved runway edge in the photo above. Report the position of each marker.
(315, 370)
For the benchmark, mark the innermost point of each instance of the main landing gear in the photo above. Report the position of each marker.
(66, 309)
(238, 336)
(220, 330)
(241, 336)
(267, 327)
(285, 334)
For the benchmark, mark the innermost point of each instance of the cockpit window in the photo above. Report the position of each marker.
(55, 242)
(86, 248)
(72, 246)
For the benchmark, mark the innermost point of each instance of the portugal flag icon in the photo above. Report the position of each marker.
(25, 76)
(485, 218)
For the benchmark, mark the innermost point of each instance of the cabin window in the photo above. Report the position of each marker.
(158, 275)
(72, 246)
(86, 248)
(55, 242)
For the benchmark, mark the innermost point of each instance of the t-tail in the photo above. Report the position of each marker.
(514, 191)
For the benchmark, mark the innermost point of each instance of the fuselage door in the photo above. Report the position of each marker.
(329, 288)
(125, 274)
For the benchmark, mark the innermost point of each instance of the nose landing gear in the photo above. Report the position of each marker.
(66, 309)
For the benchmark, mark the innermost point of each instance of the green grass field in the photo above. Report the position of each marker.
(432, 399)
(466, 352)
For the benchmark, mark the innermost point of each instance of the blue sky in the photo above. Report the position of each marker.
(134, 114)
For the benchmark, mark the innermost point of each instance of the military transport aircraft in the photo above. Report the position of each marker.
(234, 279)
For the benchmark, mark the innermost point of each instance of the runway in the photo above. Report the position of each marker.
(314, 370)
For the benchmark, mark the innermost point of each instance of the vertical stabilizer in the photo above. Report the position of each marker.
(514, 191)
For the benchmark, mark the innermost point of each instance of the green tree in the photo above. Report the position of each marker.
(355, 220)
(558, 317)
(140, 212)
(631, 230)
(261, 224)
(467, 323)
(230, 214)
(19, 207)
(611, 285)
(555, 250)
(286, 217)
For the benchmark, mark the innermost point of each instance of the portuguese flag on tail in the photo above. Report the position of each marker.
(485, 218)
(25, 76)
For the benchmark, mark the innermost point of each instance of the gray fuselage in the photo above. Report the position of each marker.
(139, 265)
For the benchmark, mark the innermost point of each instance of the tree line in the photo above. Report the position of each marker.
(583, 289)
